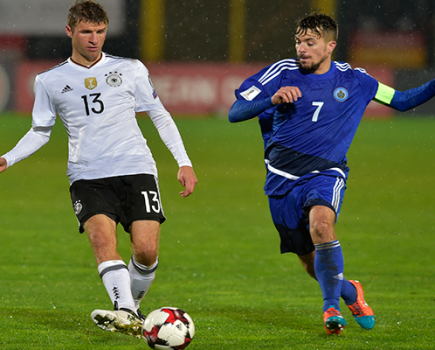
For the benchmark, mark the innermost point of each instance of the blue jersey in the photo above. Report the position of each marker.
(314, 133)
(265, 120)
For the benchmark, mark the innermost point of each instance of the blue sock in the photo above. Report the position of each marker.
(348, 292)
(329, 266)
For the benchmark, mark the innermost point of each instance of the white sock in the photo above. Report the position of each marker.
(116, 279)
(141, 278)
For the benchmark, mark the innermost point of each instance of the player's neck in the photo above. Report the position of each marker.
(324, 67)
(83, 61)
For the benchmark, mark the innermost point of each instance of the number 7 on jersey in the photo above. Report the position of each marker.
(319, 106)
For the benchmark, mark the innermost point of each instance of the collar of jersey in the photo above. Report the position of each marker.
(326, 75)
(75, 64)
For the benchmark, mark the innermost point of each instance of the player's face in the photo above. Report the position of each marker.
(314, 52)
(87, 41)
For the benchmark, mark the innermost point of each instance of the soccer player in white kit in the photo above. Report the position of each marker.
(112, 173)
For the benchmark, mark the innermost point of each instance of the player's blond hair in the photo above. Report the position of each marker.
(86, 11)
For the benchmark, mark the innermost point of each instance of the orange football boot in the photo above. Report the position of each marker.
(334, 322)
(362, 313)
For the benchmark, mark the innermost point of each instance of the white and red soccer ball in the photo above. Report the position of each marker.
(168, 328)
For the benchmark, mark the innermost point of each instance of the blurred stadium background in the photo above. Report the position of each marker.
(199, 51)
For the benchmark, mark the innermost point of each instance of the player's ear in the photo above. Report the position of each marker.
(331, 46)
(68, 31)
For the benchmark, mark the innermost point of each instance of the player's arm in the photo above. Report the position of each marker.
(243, 109)
(147, 101)
(35, 138)
(405, 100)
(171, 137)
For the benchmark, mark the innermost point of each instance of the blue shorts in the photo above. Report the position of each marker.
(290, 211)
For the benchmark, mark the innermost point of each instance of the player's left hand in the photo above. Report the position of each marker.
(286, 94)
(3, 164)
(187, 179)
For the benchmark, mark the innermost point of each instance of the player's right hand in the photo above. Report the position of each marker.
(286, 94)
(3, 164)
(187, 178)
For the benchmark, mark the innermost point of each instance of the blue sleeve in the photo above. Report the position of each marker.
(254, 94)
(265, 120)
(403, 101)
(242, 109)
(369, 85)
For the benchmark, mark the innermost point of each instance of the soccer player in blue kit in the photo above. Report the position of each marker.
(309, 110)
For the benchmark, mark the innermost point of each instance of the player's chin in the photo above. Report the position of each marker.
(305, 64)
(93, 54)
(309, 67)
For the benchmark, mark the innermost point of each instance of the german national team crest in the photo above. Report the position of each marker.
(114, 79)
(91, 83)
(78, 207)
(341, 94)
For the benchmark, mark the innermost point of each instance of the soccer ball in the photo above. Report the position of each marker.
(168, 328)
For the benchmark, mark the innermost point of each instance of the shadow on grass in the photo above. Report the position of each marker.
(25, 328)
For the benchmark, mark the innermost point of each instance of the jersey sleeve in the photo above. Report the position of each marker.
(403, 101)
(44, 111)
(254, 89)
(146, 96)
(35, 138)
(43, 119)
(170, 135)
(148, 101)
(369, 85)
(254, 95)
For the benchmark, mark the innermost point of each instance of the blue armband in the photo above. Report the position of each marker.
(243, 110)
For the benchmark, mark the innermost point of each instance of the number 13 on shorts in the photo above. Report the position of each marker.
(152, 202)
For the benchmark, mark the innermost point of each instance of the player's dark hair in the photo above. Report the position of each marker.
(321, 24)
(86, 11)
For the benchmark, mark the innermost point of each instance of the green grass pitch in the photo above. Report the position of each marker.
(219, 255)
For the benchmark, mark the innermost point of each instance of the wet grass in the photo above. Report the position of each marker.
(219, 257)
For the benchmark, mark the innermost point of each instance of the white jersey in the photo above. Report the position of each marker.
(98, 106)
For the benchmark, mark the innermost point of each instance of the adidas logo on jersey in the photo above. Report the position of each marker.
(66, 89)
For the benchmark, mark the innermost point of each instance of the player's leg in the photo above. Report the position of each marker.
(351, 292)
(97, 207)
(307, 262)
(142, 217)
(101, 231)
(90, 199)
(323, 196)
(114, 273)
(328, 265)
(324, 200)
(290, 218)
(348, 290)
(144, 260)
(291, 223)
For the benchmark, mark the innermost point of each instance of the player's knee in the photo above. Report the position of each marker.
(147, 256)
(100, 240)
(322, 231)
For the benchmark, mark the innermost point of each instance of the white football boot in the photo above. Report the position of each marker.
(123, 321)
